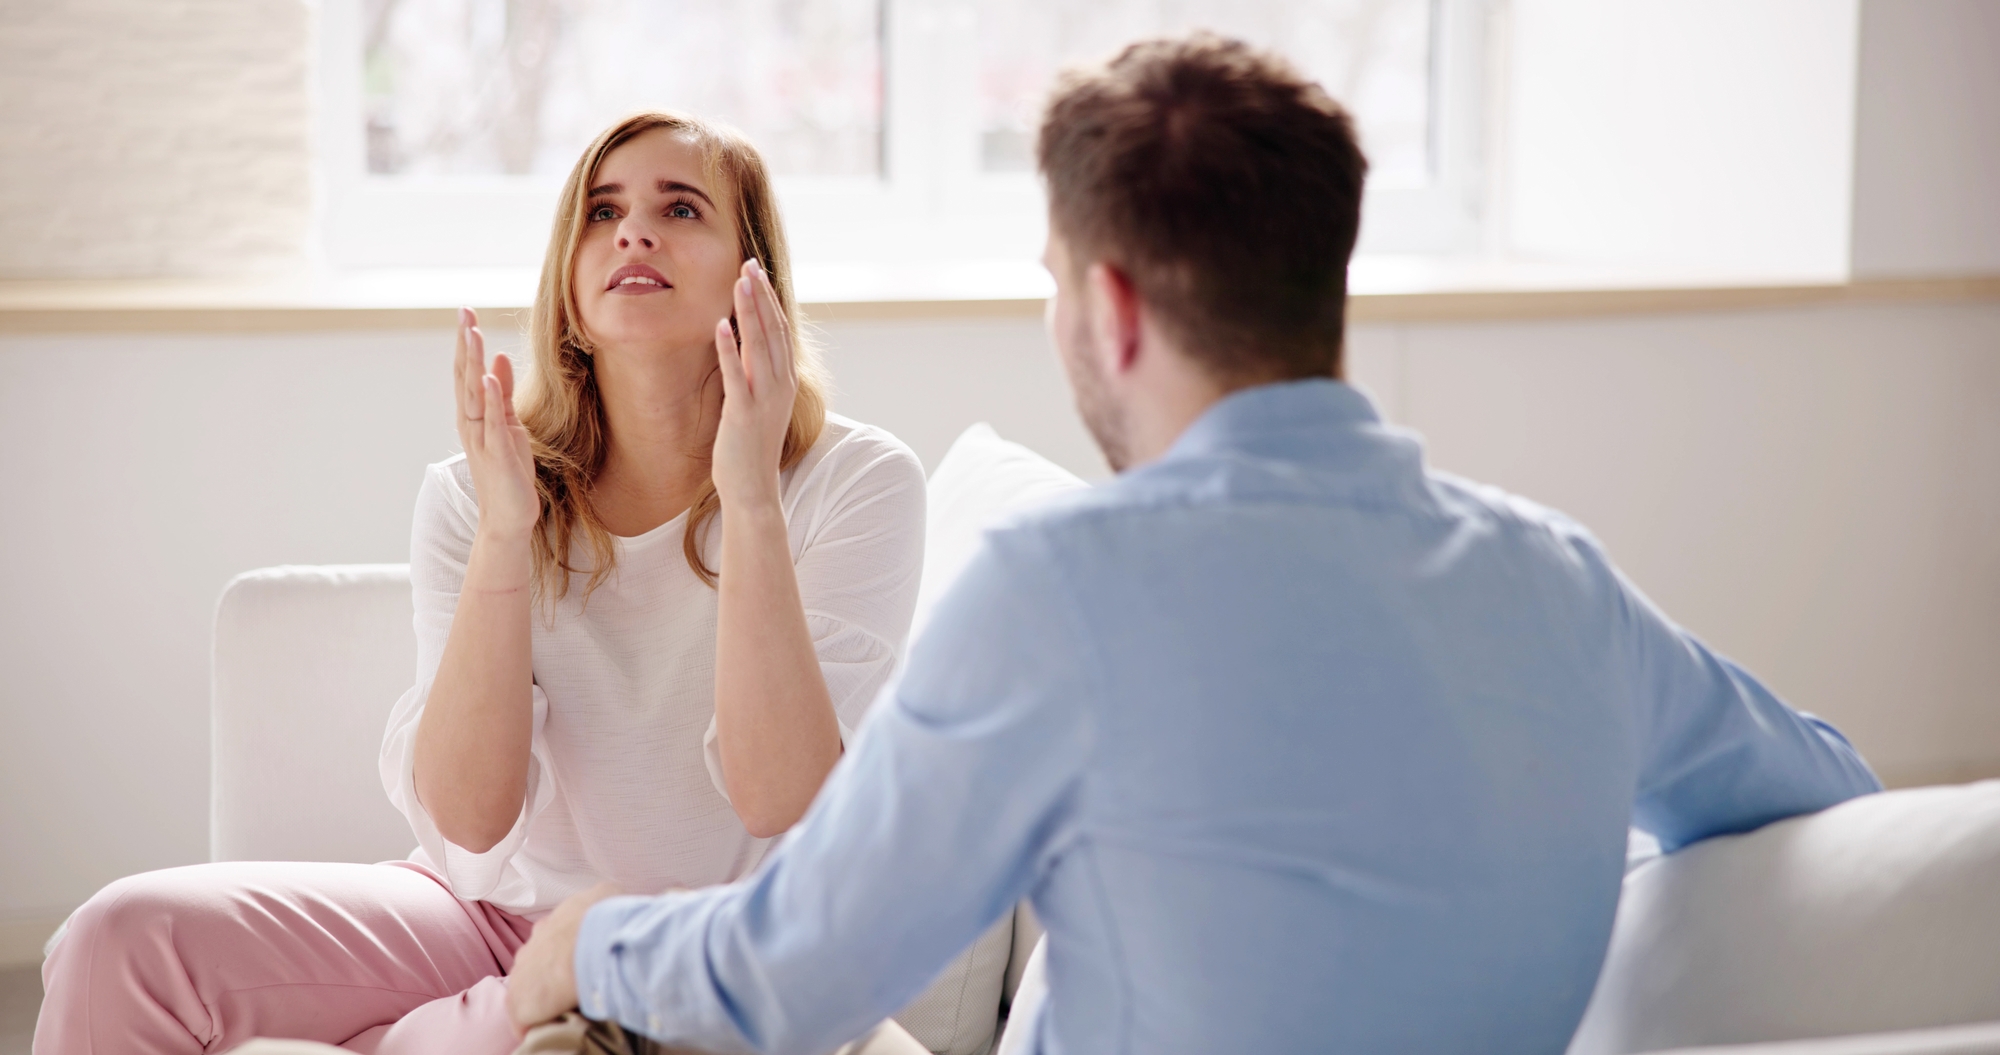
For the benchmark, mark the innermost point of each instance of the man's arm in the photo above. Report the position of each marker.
(956, 796)
(1718, 753)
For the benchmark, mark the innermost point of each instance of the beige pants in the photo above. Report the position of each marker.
(575, 1035)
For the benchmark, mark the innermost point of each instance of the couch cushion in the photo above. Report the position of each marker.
(1880, 914)
(1981, 1039)
(982, 480)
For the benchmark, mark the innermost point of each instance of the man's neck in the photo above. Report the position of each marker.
(1176, 396)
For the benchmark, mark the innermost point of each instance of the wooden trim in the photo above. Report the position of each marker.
(892, 310)
(134, 307)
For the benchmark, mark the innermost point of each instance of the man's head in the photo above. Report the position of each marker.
(1203, 202)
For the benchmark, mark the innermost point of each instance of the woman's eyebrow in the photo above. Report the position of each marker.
(667, 186)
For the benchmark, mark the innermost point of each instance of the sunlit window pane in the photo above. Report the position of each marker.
(521, 86)
(1372, 55)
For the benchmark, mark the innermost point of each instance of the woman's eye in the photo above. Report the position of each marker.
(682, 211)
(602, 212)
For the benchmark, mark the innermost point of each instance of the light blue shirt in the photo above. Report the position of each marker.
(1295, 746)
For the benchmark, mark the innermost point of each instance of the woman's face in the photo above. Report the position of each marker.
(659, 254)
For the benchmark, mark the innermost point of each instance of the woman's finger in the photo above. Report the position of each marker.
(461, 389)
(475, 366)
(494, 419)
(474, 361)
(734, 384)
(503, 370)
(751, 324)
(778, 336)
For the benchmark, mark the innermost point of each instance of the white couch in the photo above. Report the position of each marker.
(308, 661)
(1876, 923)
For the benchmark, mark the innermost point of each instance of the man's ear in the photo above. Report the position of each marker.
(1114, 317)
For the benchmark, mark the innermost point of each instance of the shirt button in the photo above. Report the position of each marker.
(653, 1023)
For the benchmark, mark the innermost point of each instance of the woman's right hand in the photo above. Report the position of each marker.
(477, 731)
(496, 443)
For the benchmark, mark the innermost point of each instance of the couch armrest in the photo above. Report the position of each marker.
(1979, 1039)
(307, 663)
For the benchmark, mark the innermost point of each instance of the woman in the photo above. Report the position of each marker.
(652, 603)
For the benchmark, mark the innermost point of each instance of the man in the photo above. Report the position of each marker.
(1294, 745)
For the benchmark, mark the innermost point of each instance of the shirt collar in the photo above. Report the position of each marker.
(1276, 417)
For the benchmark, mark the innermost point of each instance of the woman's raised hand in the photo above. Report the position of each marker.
(776, 731)
(759, 383)
(474, 739)
(496, 443)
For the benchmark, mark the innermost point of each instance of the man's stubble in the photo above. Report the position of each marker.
(1101, 413)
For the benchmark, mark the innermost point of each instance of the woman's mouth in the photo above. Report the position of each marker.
(635, 279)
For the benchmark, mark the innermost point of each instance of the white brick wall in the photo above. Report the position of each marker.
(153, 137)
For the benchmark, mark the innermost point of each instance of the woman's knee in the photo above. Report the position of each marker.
(118, 968)
(145, 914)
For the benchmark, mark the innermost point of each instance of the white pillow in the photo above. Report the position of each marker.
(982, 480)
(1880, 914)
(960, 1011)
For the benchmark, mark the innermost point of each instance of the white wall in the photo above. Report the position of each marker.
(1813, 490)
(928, 380)
(147, 472)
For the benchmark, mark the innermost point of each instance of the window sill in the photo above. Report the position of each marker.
(1384, 289)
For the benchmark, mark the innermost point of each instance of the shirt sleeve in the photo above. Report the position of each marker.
(860, 556)
(440, 545)
(958, 794)
(1718, 753)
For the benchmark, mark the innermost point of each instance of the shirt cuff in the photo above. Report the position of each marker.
(634, 967)
(598, 951)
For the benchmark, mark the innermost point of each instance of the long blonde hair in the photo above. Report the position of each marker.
(559, 401)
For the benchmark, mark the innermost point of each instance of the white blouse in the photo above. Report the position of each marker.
(624, 780)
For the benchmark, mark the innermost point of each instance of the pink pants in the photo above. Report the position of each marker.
(375, 958)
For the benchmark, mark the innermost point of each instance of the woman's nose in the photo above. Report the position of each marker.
(630, 235)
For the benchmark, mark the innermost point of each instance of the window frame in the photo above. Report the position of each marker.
(932, 208)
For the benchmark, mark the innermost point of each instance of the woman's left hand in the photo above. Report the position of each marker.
(777, 734)
(759, 384)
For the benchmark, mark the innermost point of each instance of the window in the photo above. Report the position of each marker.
(1373, 55)
(899, 131)
(519, 87)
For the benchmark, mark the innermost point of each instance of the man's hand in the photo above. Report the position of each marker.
(542, 984)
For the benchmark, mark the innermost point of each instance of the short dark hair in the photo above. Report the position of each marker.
(1225, 185)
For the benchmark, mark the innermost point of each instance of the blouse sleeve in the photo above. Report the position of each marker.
(858, 545)
(440, 544)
